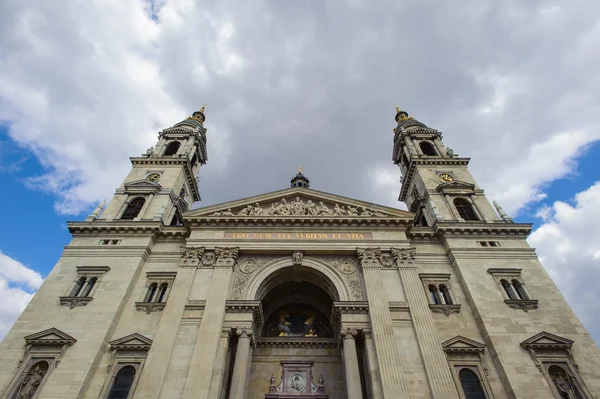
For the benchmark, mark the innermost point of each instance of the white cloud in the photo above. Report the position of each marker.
(568, 247)
(17, 285)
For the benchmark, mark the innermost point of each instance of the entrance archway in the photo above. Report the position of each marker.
(297, 333)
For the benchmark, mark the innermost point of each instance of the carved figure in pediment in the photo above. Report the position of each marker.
(311, 208)
(257, 210)
(352, 211)
(283, 208)
(245, 211)
(298, 207)
(227, 212)
(365, 212)
(380, 215)
(338, 210)
(271, 211)
(217, 214)
(323, 209)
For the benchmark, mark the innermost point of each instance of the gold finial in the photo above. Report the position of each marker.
(299, 168)
(397, 108)
(203, 108)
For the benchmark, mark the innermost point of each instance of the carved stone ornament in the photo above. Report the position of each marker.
(369, 257)
(446, 310)
(190, 256)
(225, 257)
(246, 267)
(523, 304)
(349, 272)
(150, 307)
(72, 301)
(348, 333)
(298, 207)
(404, 257)
(245, 332)
(297, 257)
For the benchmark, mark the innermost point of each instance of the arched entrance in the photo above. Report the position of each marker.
(297, 343)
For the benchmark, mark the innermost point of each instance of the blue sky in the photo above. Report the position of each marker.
(84, 86)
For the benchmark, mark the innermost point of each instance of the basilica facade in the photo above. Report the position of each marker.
(298, 293)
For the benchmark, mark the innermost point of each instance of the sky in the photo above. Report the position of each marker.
(512, 84)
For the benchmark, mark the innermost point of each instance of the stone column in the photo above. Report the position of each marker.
(439, 377)
(216, 385)
(353, 387)
(239, 378)
(390, 367)
(372, 366)
(157, 362)
(202, 364)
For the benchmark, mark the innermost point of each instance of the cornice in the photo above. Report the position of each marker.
(482, 229)
(100, 226)
(294, 221)
(182, 161)
(287, 342)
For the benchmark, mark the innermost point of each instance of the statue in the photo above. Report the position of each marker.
(298, 207)
(365, 212)
(352, 211)
(272, 388)
(297, 257)
(323, 209)
(564, 386)
(31, 383)
(338, 211)
(257, 210)
(227, 212)
(311, 208)
(283, 208)
(321, 381)
(449, 151)
(149, 151)
(245, 211)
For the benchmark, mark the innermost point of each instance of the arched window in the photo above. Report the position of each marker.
(89, 286)
(133, 208)
(194, 159)
(434, 295)
(78, 286)
(519, 288)
(508, 289)
(162, 292)
(123, 382)
(427, 148)
(471, 385)
(172, 148)
(465, 210)
(151, 292)
(445, 294)
(177, 220)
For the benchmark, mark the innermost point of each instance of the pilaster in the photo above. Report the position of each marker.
(372, 366)
(392, 379)
(440, 379)
(203, 359)
(153, 374)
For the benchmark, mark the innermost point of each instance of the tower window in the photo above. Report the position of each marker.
(157, 291)
(427, 148)
(445, 294)
(177, 220)
(465, 210)
(508, 289)
(516, 295)
(172, 148)
(471, 385)
(123, 382)
(519, 289)
(134, 208)
(433, 295)
(194, 159)
(437, 287)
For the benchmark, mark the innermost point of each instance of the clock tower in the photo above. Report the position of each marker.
(436, 183)
(162, 183)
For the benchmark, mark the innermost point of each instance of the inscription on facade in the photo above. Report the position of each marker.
(298, 236)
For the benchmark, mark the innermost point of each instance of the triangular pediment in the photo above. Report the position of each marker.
(51, 336)
(462, 344)
(299, 203)
(546, 340)
(142, 184)
(133, 341)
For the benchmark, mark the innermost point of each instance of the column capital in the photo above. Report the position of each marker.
(226, 257)
(348, 333)
(369, 257)
(368, 333)
(191, 256)
(245, 332)
(404, 257)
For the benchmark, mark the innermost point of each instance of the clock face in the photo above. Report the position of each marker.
(445, 178)
(155, 177)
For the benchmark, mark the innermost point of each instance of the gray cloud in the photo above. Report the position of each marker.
(511, 84)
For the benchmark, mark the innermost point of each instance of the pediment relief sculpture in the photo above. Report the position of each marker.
(300, 207)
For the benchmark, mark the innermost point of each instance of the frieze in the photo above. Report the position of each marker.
(300, 208)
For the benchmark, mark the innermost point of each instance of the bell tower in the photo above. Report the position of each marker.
(436, 182)
(162, 183)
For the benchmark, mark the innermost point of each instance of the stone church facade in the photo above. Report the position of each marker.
(298, 293)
